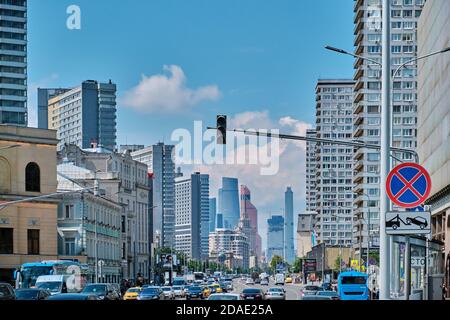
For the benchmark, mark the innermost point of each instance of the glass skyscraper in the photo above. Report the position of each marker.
(229, 202)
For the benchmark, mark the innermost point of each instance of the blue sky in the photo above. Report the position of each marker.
(258, 56)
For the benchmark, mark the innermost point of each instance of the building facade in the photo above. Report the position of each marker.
(43, 95)
(275, 237)
(13, 63)
(249, 211)
(334, 163)
(289, 248)
(367, 103)
(89, 226)
(27, 169)
(223, 242)
(83, 116)
(132, 194)
(212, 214)
(229, 202)
(160, 163)
(434, 116)
(192, 215)
(305, 234)
(311, 171)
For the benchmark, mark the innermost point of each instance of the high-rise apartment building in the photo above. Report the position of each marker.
(289, 248)
(275, 237)
(334, 163)
(13, 62)
(192, 215)
(249, 211)
(229, 202)
(83, 116)
(159, 161)
(367, 103)
(311, 171)
(43, 95)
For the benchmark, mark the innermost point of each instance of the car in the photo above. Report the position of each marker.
(225, 296)
(151, 293)
(73, 296)
(194, 292)
(308, 290)
(257, 280)
(132, 293)
(223, 287)
(328, 293)
(264, 282)
(179, 291)
(168, 292)
(206, 291)
(216, 288)
(327, 286)
(252, 294)
(316, 297)
(32, 294)
(7, 292)
(249, 281)
(104, 291)
(275, 294)
(228, 285)
(418, 221)
(288, 280)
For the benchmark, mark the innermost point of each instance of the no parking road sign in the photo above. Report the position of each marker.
(408, 185)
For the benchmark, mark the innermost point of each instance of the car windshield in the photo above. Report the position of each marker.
(95, 289)
(50, 286)
(134, 290)
(27, 294)
(327, 293)
(4, 291)
(223, 297)
(166, 288)
(275, 290)
(194, 289)
(251, 291)
(177, 288)
(353, 280)
(311, 288)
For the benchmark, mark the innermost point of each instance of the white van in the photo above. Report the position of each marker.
(55, 283)
(279, 279)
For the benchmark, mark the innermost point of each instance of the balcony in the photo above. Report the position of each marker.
(359, 14)
(359, 165)
(359, 49)
(359, 97)
(359, 26)
(357, 5)
(358, 74)
(357, 110)
(359, 85)
(358, 131)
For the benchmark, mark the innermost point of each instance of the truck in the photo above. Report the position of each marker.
(279, 279)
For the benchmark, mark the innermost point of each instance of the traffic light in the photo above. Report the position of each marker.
(221, 129)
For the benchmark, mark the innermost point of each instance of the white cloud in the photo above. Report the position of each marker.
(166, 93)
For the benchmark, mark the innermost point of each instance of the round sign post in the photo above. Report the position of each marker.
(408, 185)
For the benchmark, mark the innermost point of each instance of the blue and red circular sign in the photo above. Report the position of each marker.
(408, 185)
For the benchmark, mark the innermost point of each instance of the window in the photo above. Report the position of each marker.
(6, 240)
(32, 178)
(69, 211)
(69, 246)
(33, 241)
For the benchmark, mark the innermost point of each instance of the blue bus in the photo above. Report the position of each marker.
(28, 273)
(352, 285)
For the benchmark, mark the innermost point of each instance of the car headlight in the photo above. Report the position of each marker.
(101, 297)
(138, 298)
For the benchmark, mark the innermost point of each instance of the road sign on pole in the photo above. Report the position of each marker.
(408, 185)
(408, 222)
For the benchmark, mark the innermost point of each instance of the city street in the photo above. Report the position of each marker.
(292, 290)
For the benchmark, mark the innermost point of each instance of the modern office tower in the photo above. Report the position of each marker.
(83, 116)
(334, 163)
(433, 134)
(219, 221)
(232, 245)
(229, 202)
(13, 62)
(212, 214)
(43, 95)
(367, 104)
(311, 171)
(249, 211)
(128, 186)
(159, 161)
(192, 215)
(275, 237)
(289, 248)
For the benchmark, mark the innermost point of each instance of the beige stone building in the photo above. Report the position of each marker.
(434, 115)
(27, 169)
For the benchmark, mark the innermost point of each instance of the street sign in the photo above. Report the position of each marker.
(408, 222)
(408, 185)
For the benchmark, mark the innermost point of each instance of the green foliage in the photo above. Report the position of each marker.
(274, 262)
(297, 266)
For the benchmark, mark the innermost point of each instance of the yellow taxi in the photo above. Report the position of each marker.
(206, 292)
(217, 287)
(288, 280)
(132, 293)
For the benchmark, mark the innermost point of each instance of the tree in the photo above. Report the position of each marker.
(276, 260)
(298, 265)
(338, 263)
